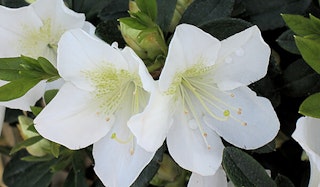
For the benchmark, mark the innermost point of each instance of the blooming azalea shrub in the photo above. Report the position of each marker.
(160, 93)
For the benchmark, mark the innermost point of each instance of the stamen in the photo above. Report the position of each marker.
(114, 137)
(226, 113)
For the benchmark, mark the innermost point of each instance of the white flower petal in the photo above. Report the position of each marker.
(89, 28)
(79, 52)
(152, 125)
(29, 99)
(219, 179)
(2, 115)
(60, 16)
(243, 59)
(307, 135)
(252, 121)
(189, 47)
(71, 119)
(57, 84)
(116, 158)
(13, 23)
(188, 148)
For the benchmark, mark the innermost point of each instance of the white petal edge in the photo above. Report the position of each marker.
(307, 135)
(243, 59)
(262, 123)
(2, 115)
(70, 119)
(219, 179)
(27, 100)
(79, 52)
(152, 125)
(60, 16)
(189, 46)
(188, 148)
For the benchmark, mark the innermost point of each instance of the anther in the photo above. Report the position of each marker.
(226, 113)
(205, 134)
(239, 111)
(232, 95)
(244, 124)
(107, 119)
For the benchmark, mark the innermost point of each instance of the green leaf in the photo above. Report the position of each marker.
(133, 23)
(76, 177)
(149, 7)
(37, 159)
(267, 14)
(19, 173)
(47, 66)
(49, 95)
(165, 13)
(25, 143)
(286, 41)
(311, 106)
(268, 148)
(113, 10)
(243, 170)
(17, 88)
(55, 149)
(300, 80)
(10, 68)
(309, 49)
(35, 110)
(201, 12)
(300, 25)
(283, 181)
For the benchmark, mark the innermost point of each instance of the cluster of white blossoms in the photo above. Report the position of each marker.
(110, 100)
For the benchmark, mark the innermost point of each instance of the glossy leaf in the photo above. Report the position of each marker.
(201, 12)
(311, 106)
(243, 170)
(27, 174)
(267, 14)
(300, 25)
(286, 41)
(25, 143)
(166, 10)
(283, 181)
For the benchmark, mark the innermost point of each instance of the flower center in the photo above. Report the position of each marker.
(201, 97)
(42, 41)
(118, 89)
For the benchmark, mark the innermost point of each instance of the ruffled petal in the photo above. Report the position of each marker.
(80, 52)
(13, 25)
(61, 17)
(152, 125)
(243, 59)
(117, 155)
(189, 47)
(70, 119)
(219, 179)
(29, 99)
(89, 28)
(251, 121)
(188, 147)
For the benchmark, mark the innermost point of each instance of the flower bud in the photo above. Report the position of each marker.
(181, 6)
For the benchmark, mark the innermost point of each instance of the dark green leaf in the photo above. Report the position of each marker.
(300, 25)
(76, 177)
(225, 27)
(283, 181)
(270, 147)
(243, 170)
(133, 23)
(109, 32)
(114, 9)
(201, 12)
(150, 170)
(32, 128)
(165, 13)
(25, 143)
(309, 50)
(14, 3)
(37, 159)
(266, 14)
(149, 7)
(286, 41)
(9, 68)
(300, 80)
(19, 173)
(5, 150)
(311, 106)
(17, 88)
(29, 63)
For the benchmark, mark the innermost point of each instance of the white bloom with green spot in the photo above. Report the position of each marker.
(34, 31)
(202, 95)
(104, 88)
(307, 135)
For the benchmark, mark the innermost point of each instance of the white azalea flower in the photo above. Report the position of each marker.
(307, 135)
(103, 90)
(203, 94)
(2, 114)
(34, 31)
(218, 179)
